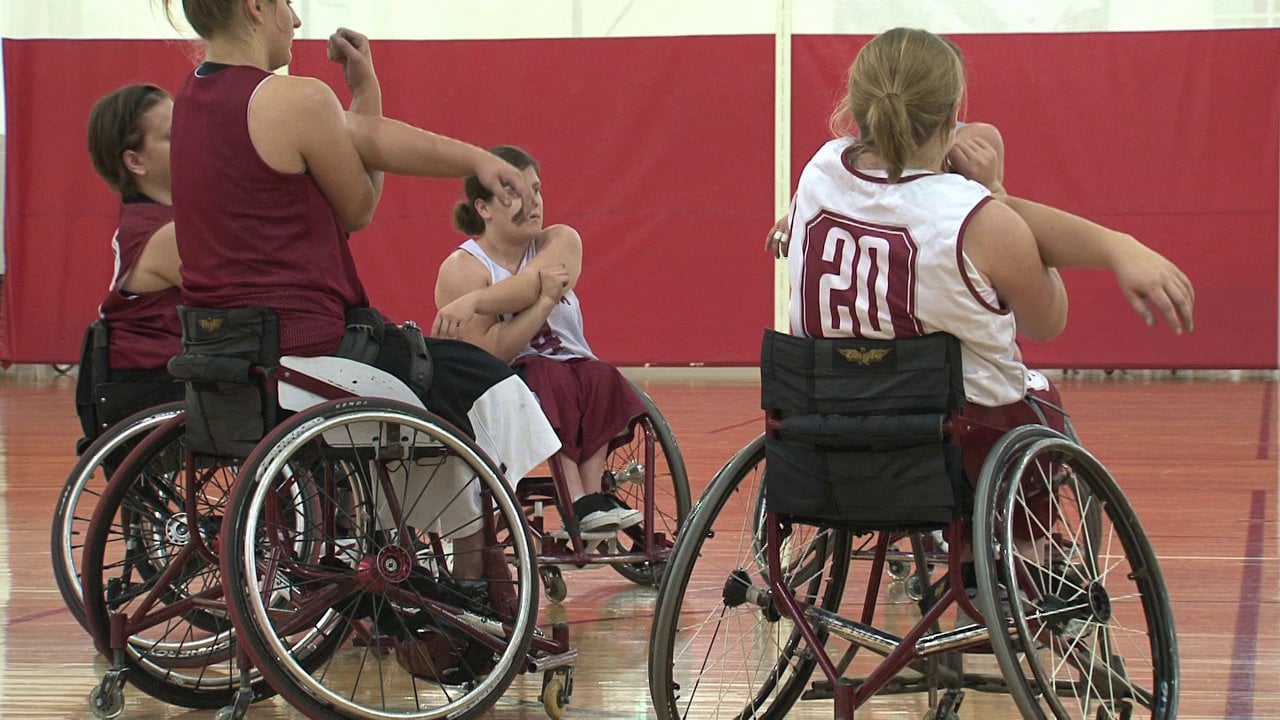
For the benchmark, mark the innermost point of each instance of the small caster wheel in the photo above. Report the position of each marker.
(553, 583)
(557, 688)
(557, 590)
(915, 588)
(108, 704)
(948, 707)
(238, 709)
(898, 569)
(553, 699)
(107, 699)
(61, 369)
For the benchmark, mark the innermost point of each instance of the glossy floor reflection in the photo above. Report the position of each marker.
(1197, 457)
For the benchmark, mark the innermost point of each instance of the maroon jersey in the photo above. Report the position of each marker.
(144, 328)
(248, 234)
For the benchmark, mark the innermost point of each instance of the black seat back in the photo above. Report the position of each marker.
(857, 430)
(105, 396)
(226, 360)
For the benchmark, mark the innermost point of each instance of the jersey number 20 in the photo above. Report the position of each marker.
(859, 279)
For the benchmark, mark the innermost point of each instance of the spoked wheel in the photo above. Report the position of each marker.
(624, 476)
(401, 497)
(83, 488)
(719, 647)
(1080, 617)
(147, 556)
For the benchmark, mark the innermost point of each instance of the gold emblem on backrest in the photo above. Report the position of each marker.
(863, 356)
(211, 324)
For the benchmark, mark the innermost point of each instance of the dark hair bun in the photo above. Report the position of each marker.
(467, 220)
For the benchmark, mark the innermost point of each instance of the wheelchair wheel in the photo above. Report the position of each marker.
(372, 565)
(1070, 585)
(624, 476)
(80, 494)
(147, 556)
(718, 646)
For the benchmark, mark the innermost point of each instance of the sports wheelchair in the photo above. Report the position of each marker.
(232, 556)
(862, 447)
(116, 409)
(645, 471)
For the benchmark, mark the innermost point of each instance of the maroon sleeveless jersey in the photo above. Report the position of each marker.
(144, 328)
(248, 234)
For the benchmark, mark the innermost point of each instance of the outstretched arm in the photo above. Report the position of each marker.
(1148, 280)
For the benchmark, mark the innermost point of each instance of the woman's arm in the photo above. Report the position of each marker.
(297, 125)
(403, 149)
(1001, 247)
(158, 266)
(1147, 279)
(559, 251)
(461, 274)
(351, 50)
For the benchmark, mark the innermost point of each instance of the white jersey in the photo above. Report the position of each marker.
(880, 260)
(561, 336)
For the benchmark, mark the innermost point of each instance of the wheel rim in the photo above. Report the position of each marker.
(1091, 615)
(86, 486)
(382, 585)
(624, 475)
(716, 654)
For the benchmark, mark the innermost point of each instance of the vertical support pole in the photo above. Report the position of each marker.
(781, 154)
(845, 702)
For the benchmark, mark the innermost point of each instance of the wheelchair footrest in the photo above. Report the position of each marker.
(542, 663)
(596, 536)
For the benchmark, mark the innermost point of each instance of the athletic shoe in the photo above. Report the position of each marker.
(595, 513)
(624, 515)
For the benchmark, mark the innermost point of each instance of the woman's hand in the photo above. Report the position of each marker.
(351, 50)
(453, 317)
(505, 182)
(779, 242)
(978, 160)
(555, 282)
(1152, 283)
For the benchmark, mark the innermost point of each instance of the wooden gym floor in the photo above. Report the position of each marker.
(1196, 455)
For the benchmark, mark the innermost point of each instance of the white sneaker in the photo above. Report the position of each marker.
(595, 513)
(624, 515)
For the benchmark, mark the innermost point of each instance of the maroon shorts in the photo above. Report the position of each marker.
(588, 402)
(985, 427)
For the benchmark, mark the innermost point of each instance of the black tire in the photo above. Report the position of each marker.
(1086, 627)
(310, 455)
(188, 660)
(705, 578)
(671, 489)
(83, 488)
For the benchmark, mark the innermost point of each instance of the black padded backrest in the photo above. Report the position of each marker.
(857, 430)
(229, 408)
(800, 376)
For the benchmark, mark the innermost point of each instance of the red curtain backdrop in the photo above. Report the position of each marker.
(1173, 137)
(660, 151)
(59, 215)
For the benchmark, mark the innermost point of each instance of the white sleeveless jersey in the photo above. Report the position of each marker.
(561, 336)
(880, 260)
